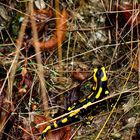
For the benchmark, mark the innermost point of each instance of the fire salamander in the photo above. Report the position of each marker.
(82, 107)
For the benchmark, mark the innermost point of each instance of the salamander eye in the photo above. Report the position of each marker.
(106, 92)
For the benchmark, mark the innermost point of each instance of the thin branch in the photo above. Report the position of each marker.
(14, 64)
(38, 58)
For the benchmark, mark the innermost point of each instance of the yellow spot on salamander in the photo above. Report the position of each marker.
(47, 129)
(106, 92)
(99, 93)
(86, 105)
(82, 100)
(64, 120)
(90, 95)
(55, 124)
(74, 113)
(94, 88)
(70, 108)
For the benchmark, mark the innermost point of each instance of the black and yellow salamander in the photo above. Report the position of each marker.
(83, 106)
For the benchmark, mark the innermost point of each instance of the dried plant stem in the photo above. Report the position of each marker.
(59, 39)
(139, 64)
(131, 47)
(138, 32)
(15, 61)
(117, 33)
(38, 58)
(11, 74)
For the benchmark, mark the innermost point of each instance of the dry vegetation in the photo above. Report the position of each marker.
(48, 50)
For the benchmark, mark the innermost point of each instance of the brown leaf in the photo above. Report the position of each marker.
(27, 132)
(80, 76)
(60, 134)
(40, 119)
(53, 42)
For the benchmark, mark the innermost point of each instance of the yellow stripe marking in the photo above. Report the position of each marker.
(86, 105)
(74, 113)
(64, 120)
(99, 93)
(94, 75)
(47, 129)
(104, 78)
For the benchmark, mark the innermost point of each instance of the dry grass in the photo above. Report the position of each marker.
(30, 77)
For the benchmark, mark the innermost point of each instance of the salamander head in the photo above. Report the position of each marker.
(100, 74)
(100, 78)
